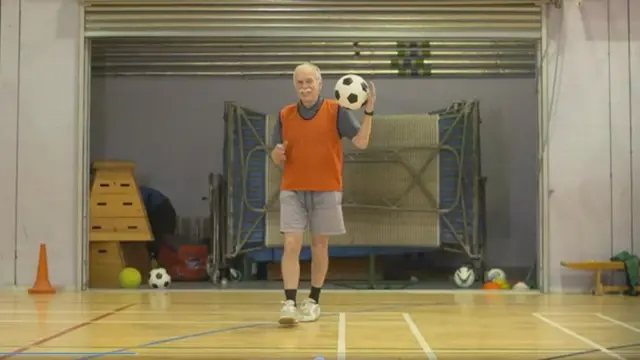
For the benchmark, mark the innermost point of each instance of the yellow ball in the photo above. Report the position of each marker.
(130, 278)
(502, 283)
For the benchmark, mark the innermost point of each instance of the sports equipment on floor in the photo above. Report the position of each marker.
(130, 278)
(495, 274)
(490, 285)
(351, 92)
(520, 286)
(159, 279)
(464, 277)
(502, 283)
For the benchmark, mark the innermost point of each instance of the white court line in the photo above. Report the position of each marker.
(419, 338)
(342, 336)
(579, 337)
(617, 322)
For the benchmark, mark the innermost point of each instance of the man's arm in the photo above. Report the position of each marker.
(351, 129)
(276, 133)
(276, 153)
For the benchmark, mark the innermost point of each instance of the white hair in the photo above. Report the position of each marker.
(308, 65)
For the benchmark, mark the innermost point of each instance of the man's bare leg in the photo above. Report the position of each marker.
(319, 265)
(290, 268)
(310, 310)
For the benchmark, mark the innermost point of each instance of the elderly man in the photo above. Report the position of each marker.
(308, 136)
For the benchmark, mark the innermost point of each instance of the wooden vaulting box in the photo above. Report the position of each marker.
(119, 227)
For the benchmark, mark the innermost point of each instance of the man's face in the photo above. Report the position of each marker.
(307, 85)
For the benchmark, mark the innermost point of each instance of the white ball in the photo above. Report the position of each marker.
(159, 279)
(520, 286)
(496, 274)
(464, 277)
(351, 92)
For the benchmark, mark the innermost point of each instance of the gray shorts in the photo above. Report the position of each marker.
(320, 212)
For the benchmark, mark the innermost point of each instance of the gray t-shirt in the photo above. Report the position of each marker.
(346, 124)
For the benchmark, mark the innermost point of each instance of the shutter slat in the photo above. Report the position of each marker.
(243, 57)
(268, 38)
(319, 19)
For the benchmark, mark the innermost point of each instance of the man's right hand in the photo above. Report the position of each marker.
(278, 155)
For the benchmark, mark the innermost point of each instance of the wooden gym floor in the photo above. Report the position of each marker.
(355, 325)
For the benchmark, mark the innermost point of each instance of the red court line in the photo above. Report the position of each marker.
(65, 331)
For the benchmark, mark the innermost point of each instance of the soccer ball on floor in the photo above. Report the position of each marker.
(159, 279)
(464, 277)
(496, 274)
(351, 92)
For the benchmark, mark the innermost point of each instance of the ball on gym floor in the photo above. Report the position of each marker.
(490, 285)
(503, 284)
(130, 278)
(495, 274)
(520, 286)
(464, 277)
(159, 279)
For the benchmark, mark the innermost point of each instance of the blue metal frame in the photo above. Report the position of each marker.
(245, 164)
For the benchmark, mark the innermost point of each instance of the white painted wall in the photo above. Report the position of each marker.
(38, 115)
(9, 65)
(594, 134)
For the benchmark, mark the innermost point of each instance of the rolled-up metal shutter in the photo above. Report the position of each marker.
(400, 19)
(253, 38)
(237, 57)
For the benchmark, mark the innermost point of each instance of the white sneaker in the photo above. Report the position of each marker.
(289, 313)
(309, 311)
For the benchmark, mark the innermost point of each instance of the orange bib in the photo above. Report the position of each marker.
(314, 150)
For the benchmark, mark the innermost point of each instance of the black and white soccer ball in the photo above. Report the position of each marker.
(351, 92)
(159, 279)
(464, 277)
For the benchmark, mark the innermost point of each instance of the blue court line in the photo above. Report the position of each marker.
(175, 338)
(587, 352)
(241, 327)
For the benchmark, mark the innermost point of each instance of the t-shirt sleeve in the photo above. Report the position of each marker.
(348, 125)
(276, 132)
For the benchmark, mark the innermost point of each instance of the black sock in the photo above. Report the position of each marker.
(290, 294)
(315, 294)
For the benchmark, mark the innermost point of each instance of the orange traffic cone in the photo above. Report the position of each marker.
(42, 284)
